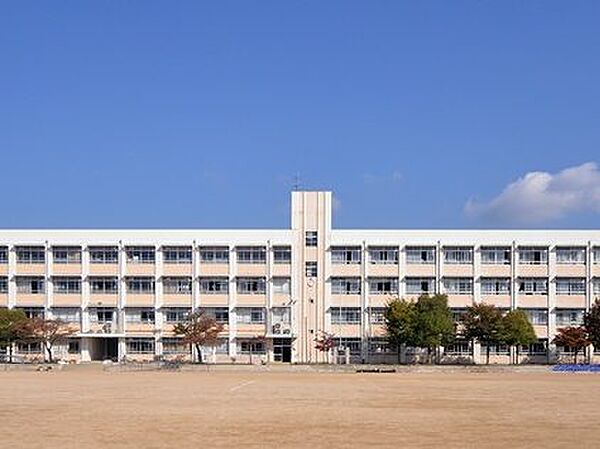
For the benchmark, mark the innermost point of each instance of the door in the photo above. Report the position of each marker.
(282, 350)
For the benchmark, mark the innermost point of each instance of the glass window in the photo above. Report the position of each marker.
(495, 255)
(176, 314)
(67, 314)
(597, 286)
(420, 286)
(282, 254)
(497, 349)
(31, 254)
(383, 286)
(250, 315)
(252, 347)
(251, 286)
(140, 285)
(282, 286)
(73, 346)
(311, 238)
(66, 254)
(214, 286)
(570, 256)
(537, 317)
(384, 255)
(310, 269)
(140, 315)
(458, 313)
(495, 286)
(458, 286)
(104, 285)
(345, 286)
(214, 254)
(140, 254)
(220, 314)
(3, 285)
(533, 286)
(569, 317)
(538, 348)
(33, 312)
(29, 348)
(377, 315)
(30, 285)
(459, 348)
(177, 254)
(251, 254)
(104, 254)
(533, 255)
(173, 345)
(67, 285)
(345, 315)
(102, 315)
(177, 285)
(596, 254)
(353, 344)
(570, 286)
(3, 254)
(345, 255)
(420, 255)
(140, 345)
(458, 255)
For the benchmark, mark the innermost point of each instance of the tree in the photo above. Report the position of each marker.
(484, 323)
(591, 323)
(400, 316)
(572, 337)
(11, 322)
(46, 331)
(517, 330)
(198, 330)
(434, 326)
(325, 342)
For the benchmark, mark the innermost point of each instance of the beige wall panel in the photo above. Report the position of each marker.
(570, 301)
(173, 300)
(66, 269)
(457, 270)
(532, 270)
(252, 270)
(3, 300)
(502, 301)
(214, 269)
(343, 270)
(383, 270)
(420, 270)
(144, 330)
(282, 270)
(529, 301)
(495, 271)
(250, 330)
(578, 271)
(280, 299)
(66, 300)
(380, 300)
(104, 269)
(460, 300)
(31, 300)
(103, 300)
(346, 330)
(177, 269)
(214, 300)
(31, 269)
(345, 300)
(3, 269)
(541, 331)
(251, 300)
(596, 270)
(140, 269)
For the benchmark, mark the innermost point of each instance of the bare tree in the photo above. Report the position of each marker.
(198, 330)
(325, 342)
(47, 332)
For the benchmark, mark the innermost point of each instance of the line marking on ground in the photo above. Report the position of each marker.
(242, 385)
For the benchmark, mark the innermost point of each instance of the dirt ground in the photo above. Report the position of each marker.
(89, 408)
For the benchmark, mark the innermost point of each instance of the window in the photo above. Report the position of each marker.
(104, 254)
(33, 312)
(282, 254)
(351, 343)
(596, 253)
(495, 255)
(570, 286)
(311, 238)
(67, 285)
(66, 254)
(251, 254)
(139, 316)
(420, 255)
(214, 254)
(377, 315)
(177, 254)
(569, 317)
(459, 348)
(385, 255)
(140, 285)
(29, 348)
(533, 255)
(104, 285)
(281, 286)
(537, 317)
(345, 255)
(310, 269)
(177, 285)
(458, 286)
(73, 346)
(173, 345)
(495, 286)
(31, 254)
(251, 286)
(281, 315)
(497, 349)
(3, 254)
(570, 256)
(458, 313)
(176, 314)
(214, 286)
(30, 285)
(220, 314)
(345, 286)
(533, 286)
(67, 314)
(380, 345)
(420, 286)
(250, 315)
(102, 315)
(140, 254)
(597, 286)
(251, 347)
(345, 315)
(140, 345)
(383, 286)
(458, 255)
(538, 348)
(3, 285)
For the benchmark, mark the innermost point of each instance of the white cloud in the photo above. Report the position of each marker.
(540, 197)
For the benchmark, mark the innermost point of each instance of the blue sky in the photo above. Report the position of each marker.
(190, 114)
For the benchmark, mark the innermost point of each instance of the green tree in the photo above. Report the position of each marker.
(483, 323)
(11, 326)
(572, 337)
(198, 330)
(434, 326)
(591, 323)
(400, 316)
(517, 330)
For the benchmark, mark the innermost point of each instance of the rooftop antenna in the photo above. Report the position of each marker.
(297, 183)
